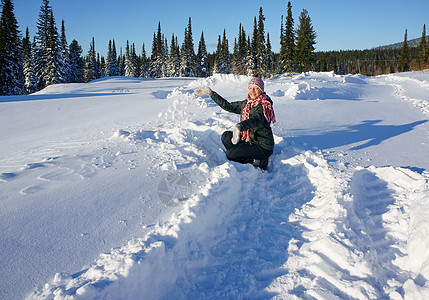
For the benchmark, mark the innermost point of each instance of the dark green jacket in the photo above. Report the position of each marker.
(260, 129)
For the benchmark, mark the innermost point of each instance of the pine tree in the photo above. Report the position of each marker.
(144, 69)
(252, 62)
(40, 49)
(187, 55)
(91, 66)
(240, 52)
(218, 64)
(306, 39)
(26, 44)
(65, 54)
(223, 59)
(260, 47)
(55, 70)
(404, 59)
(112, 66)
(77, 64)
(49, 64)
(287, 42)
(422, 55)
(135, 61)
(129, 68)
(121, 64)
(270, 58)
(250, 59)
(203, 68)
(282, 53)
(173, 61)
(11, 58)
(165, 55)
(30, 81)
(157, 60)
(101, 63)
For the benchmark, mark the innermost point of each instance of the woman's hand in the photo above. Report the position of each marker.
(205, 90)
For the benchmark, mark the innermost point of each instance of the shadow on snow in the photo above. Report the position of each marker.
(368, 132)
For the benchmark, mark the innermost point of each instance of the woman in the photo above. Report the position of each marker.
(251, 140)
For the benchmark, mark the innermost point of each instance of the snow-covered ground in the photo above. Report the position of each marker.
(119, 189)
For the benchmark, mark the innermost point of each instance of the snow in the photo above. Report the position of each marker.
(119, 189)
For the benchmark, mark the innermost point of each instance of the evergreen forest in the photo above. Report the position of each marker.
(29, 64)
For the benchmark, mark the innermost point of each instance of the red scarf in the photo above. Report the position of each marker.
(263, 100)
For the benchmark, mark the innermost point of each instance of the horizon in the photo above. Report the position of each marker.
(331, 21)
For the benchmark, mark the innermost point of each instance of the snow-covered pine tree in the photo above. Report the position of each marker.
(30, 81)
(290, 40)
(187, 55)
(54, 72)
(250, 58)
(270, 58)
(157, 60)
(65, 54)
(129, 68)
(240, 53)
(91, 67)
(77, 64)
(121, 64)
(112, 67)
(173, 61)
(252, 63)
(101, 64)
(223, 59)
(305, 41)
(11, 58)
(165, 54)
(226, 54)
(282, 53)
(422, 54)
(260, 47)
(404, 59)
(287, 43)
(40, 49)
(203, 67)
(135, 61)
(234, 63)
(144, 69)
(109, 54)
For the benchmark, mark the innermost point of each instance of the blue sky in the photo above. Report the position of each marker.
(339, 24)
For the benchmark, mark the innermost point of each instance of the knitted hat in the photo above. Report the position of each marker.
(258, 82)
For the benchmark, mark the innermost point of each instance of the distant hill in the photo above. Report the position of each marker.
(411, 43)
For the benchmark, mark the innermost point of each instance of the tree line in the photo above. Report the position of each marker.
(30, 64)
(376, 61)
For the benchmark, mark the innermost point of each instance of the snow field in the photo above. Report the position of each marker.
(339, 214)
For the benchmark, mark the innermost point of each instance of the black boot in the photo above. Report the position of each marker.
(263, 164)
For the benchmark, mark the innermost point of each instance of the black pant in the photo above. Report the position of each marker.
(243, 152)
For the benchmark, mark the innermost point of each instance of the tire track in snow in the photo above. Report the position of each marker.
(401, 92)
(356, 238)
(323, 262)
(372, 199)
(386, 203)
